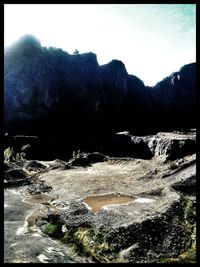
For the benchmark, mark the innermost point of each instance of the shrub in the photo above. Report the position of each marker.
(20, 156)
(51, 229)
(9, 154)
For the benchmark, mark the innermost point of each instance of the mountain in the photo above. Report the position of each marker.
(50, 92)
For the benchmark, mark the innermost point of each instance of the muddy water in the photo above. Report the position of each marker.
(96, 203)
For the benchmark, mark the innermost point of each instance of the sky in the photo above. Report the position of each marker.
(152, 40)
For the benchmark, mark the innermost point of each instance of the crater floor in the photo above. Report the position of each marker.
(140, 204)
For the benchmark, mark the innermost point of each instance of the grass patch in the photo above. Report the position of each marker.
(90, 242)
(190, 211)
(53, 230)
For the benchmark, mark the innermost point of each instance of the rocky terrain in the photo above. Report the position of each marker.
(98, 166)
(100, 208)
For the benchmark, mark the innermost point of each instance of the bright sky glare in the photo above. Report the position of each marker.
(152, 40)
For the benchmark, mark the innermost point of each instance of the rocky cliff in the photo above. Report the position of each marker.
(174, 98)
(48, 92)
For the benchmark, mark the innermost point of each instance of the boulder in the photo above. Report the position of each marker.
(34, 165)
(123, 144)
(86, 159)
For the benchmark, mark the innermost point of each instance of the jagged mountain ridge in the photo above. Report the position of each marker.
(48, 91)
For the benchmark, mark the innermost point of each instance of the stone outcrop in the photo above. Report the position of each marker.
(124, 144)
(169, 145)
(173, 145)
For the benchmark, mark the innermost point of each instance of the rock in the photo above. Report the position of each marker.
(187, 186)
(125, 254)
(15, 174)
(139, 148)
(79, 161)
(38, 188)
(86, 159)
(76, 215)
(16, 177)
(18, 173)
(59, 164)
(96, 157)
(126, 145)
(34, 165)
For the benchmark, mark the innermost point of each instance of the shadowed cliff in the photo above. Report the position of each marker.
(48, 92)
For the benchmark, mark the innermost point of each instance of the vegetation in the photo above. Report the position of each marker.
(96, 243)
(190, 211)
(188, 256)
(76, 155)
(51, 229)
(11, 155)
(87, 241)
(20, 156)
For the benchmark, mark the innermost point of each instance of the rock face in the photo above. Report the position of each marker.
(174, 98)
(169, 145)
(48, 91)
(126, 145)
(172, 145)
